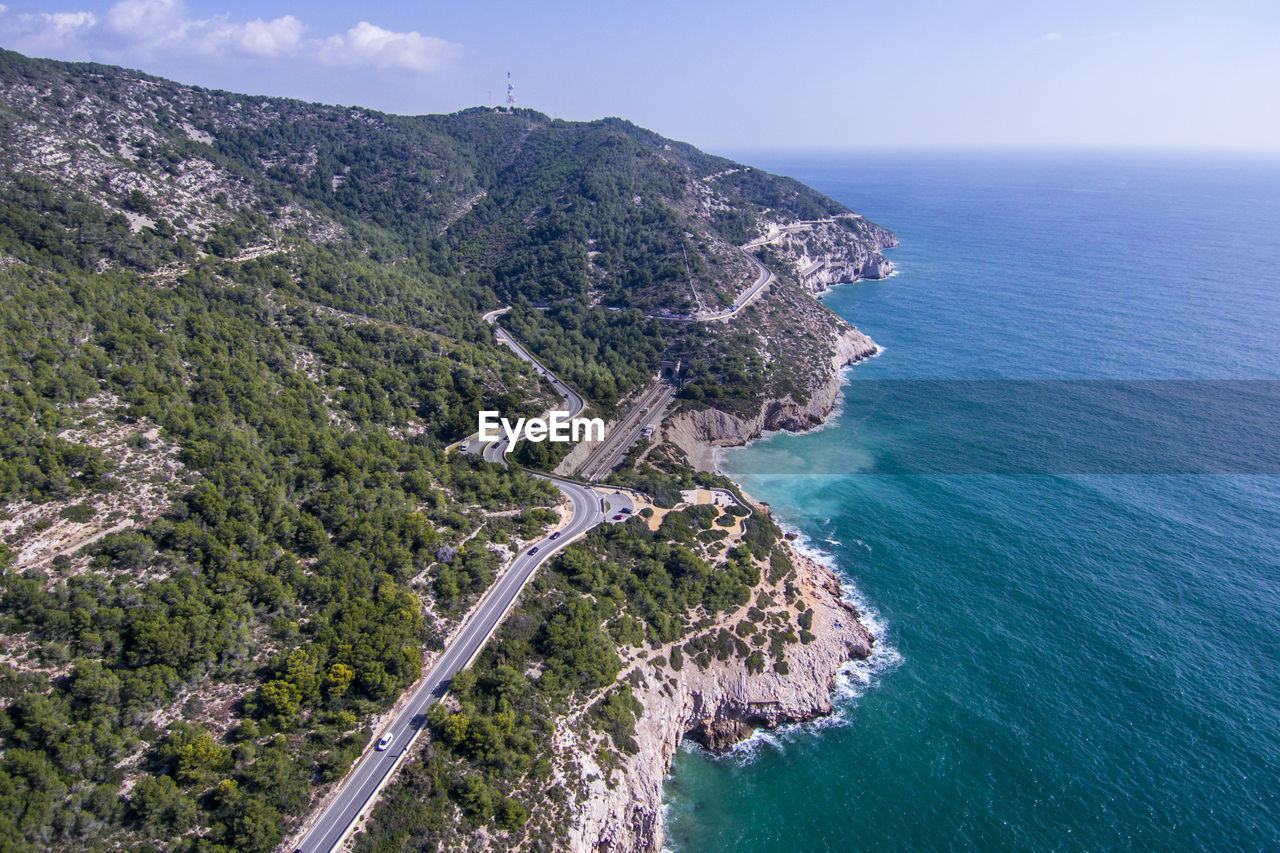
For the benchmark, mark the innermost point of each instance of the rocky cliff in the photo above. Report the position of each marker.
(719, 706)
(699, 431)
(826, 252)
(721, 702)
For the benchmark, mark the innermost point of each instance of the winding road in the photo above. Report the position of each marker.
(591, 506)
(764, 279)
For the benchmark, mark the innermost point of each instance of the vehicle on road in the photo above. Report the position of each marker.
(626, 510)
(618, 517)
(370, 773)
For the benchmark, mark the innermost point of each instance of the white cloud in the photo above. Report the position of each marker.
(368, 44)
(147, 19)
(44, 31)
(279, 37)
(67, 23)
(133, 31)
(220, 37)
(1050, 37)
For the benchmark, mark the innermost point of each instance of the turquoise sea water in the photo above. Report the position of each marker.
(1075, 659)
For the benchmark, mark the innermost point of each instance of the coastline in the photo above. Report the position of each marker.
(702, 433)
(723, 706)
(716, 452)
(719, 707)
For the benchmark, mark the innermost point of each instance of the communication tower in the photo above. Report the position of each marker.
(511, 94)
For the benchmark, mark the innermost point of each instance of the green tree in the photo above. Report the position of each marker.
(454, 729)
(281, 698)
(338, 680)
(157, 802)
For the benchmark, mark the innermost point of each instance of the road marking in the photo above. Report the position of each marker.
(373, 771)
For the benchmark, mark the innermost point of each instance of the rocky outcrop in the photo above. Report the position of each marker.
(700, 431)
(621, 810)
(618, 807)
(827, 252)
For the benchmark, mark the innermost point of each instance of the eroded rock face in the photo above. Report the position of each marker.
(719, 707)
(720, 733)
(723, 703)
(698, 432)
(876, 267)
(827, 252)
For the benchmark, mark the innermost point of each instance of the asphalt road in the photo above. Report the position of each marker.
(590, 507)
(744, 299)
(374, 767)
(573, 402)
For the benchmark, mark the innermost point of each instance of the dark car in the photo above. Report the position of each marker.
(618, 517)
(626, 510)
(533, 550)
(555, 535)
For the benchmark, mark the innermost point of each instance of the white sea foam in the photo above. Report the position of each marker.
(856, 677)
(802, 543)
(868, 615)
(883, 656)
(854, 680)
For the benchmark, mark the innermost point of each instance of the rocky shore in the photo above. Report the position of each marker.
(700, 431)
(620, 807)
(825, 252)
(722, 702)
(719, 707)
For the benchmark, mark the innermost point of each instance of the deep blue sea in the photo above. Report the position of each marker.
(1075, 653)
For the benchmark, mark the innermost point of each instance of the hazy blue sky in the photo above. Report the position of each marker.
(729, 75)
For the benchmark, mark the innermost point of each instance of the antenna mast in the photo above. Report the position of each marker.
(511, 94)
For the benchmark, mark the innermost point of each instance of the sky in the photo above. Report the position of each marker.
(735, 76)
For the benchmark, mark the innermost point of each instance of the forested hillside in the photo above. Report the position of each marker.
(238, 335)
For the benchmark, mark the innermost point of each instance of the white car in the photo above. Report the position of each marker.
(384, 742)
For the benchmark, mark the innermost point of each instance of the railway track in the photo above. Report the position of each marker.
(609, 452)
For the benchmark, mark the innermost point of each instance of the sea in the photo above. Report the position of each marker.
(1055, 495)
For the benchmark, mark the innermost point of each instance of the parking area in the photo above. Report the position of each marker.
(618, 507)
